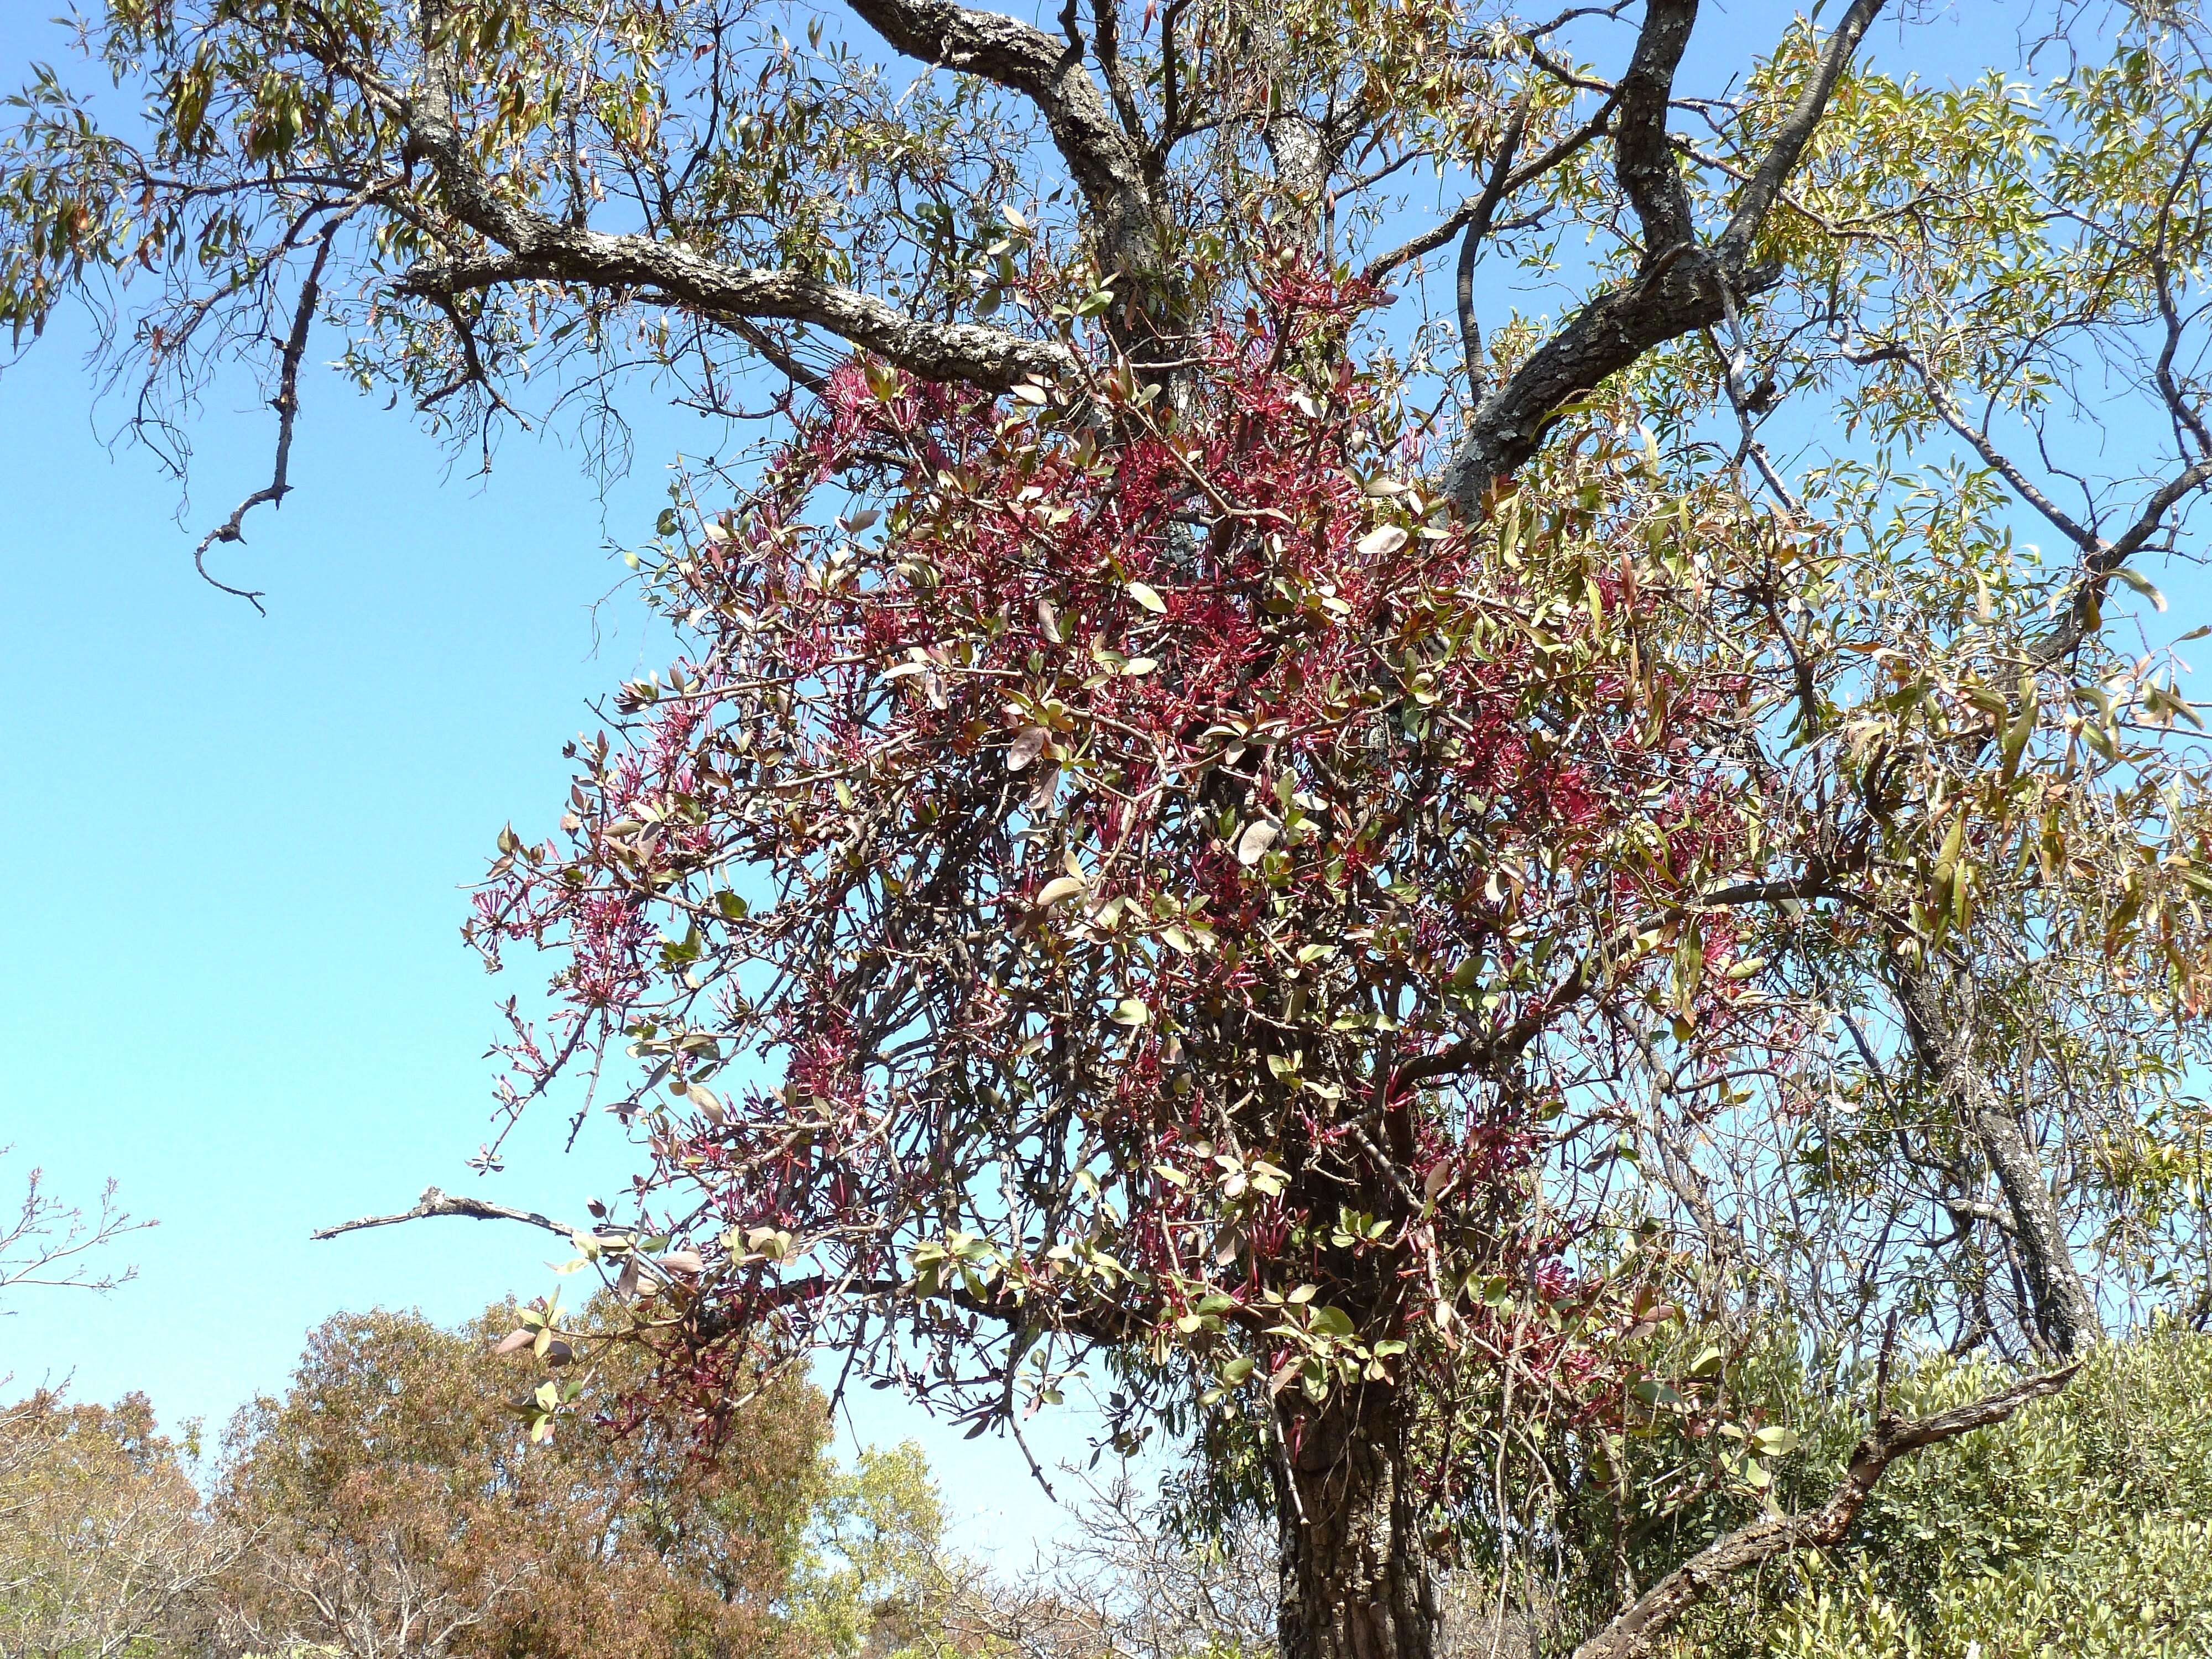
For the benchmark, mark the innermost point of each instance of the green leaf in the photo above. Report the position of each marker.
(1059, 887)
(2021, 729)
(2141, 584)
(1332, 1321)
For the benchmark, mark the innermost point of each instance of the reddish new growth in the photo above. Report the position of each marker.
(1160, 882)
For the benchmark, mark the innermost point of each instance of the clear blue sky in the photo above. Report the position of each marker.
(232, 977)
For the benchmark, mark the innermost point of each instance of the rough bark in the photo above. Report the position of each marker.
(526, 245)
(2064, 1312)
(1356, 1583)
(1681, 283)
(1104, 155)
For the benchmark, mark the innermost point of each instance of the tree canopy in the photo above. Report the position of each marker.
(104, 1548)
(390, 1503)
(393, 1506)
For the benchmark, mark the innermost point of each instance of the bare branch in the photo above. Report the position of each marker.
(46, 1241)
(785, 364)
(286, 402)
(434, 1202)
(2099, 568)
(1478, 228)
(1435, 237)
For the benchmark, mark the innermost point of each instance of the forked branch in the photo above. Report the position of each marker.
(1680, 284)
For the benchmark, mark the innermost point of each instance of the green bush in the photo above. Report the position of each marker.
(2081, 1529)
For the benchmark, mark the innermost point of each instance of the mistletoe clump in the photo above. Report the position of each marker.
(1155, 879)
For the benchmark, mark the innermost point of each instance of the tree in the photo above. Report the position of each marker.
(876, 1577)
(104, 1553)
(2078, 1529)
(105, 1544)
(1124, 1583)
(1360, 877)
(393, 1502)
(397, 1507)
(1155, 1060)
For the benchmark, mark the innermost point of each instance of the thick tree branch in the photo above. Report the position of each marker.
(734, 296)
(1172, 119)
(1304, 154)
(1487, 1054)
(434, 1202)
(1607, 335)
(1816, 881)
(1106, 160)
(534, 248)
(1679, 286)
(1644, 161)
(1633, 1630)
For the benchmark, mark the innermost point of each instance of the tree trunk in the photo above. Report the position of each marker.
(2064, 1312)
(1355, 1575)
